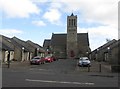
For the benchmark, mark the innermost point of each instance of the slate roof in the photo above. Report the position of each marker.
(47, 42)
(20, 43)
(104, 46)
(60, 39)
(83, 38)
(108, 44)
(5, 47)
(35, 45)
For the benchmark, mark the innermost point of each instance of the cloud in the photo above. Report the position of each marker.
(98, 35)
(18, 8)
(10, 32)
(38, 23)
(53, 16)
(40, 1)
(102, 11)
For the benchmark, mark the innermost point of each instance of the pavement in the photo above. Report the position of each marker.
(105, 67)
(16, 64)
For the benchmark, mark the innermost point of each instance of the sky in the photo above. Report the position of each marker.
(36, 20)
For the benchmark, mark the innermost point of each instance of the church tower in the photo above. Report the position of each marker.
(71, 36)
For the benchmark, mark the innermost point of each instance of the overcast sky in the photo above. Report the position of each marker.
(36, 20)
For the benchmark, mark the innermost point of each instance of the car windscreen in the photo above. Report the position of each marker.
(47, 57)
(35, 58)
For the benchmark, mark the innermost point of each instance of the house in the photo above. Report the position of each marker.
(7, 48)
(19, 50)
(23, 51)
(107, 52)
(46, 43)
(38, 50)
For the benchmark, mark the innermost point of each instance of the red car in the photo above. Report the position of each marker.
(54, 58)
(48, 59)
(37, 60)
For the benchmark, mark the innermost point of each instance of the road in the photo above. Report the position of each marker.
(61, 73)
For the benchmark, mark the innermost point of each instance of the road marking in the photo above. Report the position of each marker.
(36, 69)
(47, 81)
(39, 69)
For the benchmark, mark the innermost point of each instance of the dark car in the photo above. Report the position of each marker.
(37, 60)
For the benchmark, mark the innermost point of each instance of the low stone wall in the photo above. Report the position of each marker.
(115, 68)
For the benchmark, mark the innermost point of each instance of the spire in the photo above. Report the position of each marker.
(72, 14)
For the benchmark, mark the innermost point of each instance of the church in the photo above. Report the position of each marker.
(69, 45)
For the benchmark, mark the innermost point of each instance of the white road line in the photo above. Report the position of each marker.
(38, 69)
(47, 81)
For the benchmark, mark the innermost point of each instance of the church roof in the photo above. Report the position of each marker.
(46, 42)
(60, 39)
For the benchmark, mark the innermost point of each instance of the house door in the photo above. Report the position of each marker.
(11, 55)
(72, 54)
(105, 57)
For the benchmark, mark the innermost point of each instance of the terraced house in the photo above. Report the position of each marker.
(109, 53)
(18, 49)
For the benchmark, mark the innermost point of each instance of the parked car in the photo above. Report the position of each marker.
(37, 60)
(84, 61)
(48, 59)
(54, 58)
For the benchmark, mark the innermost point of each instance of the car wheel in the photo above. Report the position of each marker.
(39, 63)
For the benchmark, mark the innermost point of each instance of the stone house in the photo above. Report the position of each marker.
(7, 48)
(107, 52)
(24, 52)
(38, 50)
(19, 50)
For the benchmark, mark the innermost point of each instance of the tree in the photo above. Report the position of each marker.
(108, 40)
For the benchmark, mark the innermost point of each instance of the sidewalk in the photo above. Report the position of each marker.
(16, 64)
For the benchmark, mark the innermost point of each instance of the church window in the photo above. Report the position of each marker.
(69, 22)
(74, 23)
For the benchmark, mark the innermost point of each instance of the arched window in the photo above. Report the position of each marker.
(74, 23)
(69, 22)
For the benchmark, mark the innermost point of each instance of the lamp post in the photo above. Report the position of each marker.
(108, 48)
(38, 51)
(23, 53)
(97, 54)
(87, 54)
(100, 67)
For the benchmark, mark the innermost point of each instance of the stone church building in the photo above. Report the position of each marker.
(70, 45)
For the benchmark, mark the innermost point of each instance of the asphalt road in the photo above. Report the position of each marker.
(61, 73)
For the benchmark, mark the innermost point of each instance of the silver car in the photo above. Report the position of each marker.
(84, 61)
